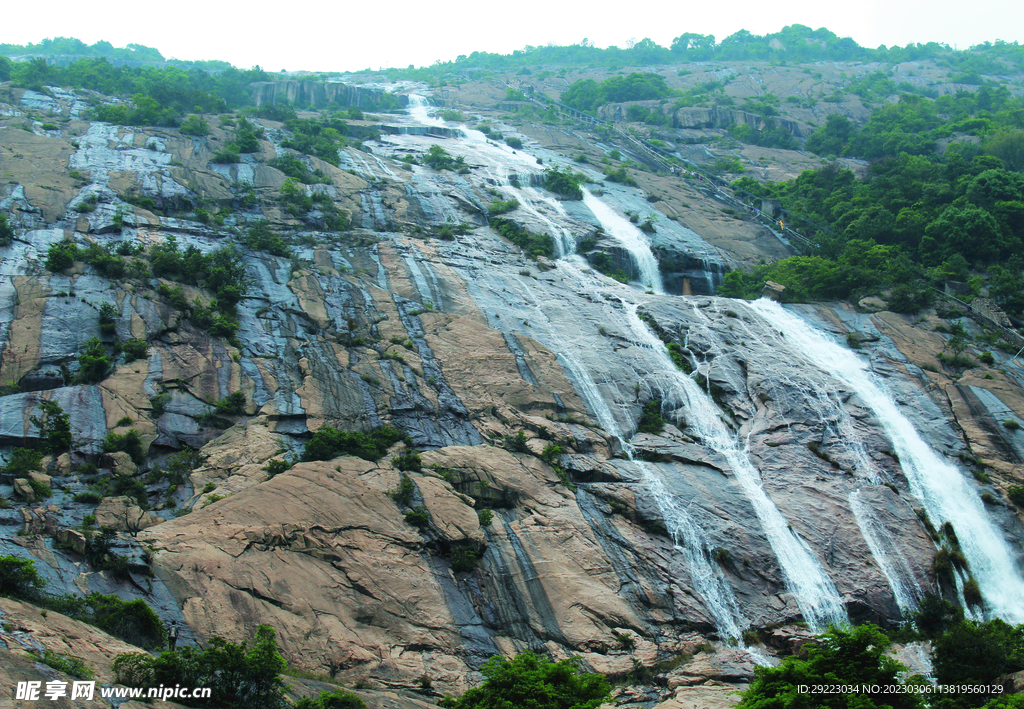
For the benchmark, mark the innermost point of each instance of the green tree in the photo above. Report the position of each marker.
(93, 362)
(54, 427)
(846, 656)
(6, 231)
(240, 676)
(19, 578)
(335, 699)
(530, 681)
(976, 653)
(194, 125)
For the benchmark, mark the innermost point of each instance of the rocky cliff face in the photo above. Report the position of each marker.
(772, 494)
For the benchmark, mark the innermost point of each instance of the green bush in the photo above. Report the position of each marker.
(194, 125)
(565, 183)
(403, 494)
(260, 237)
(418, 517)
(409, 460)
(1016, 495)
(19, 579)
(844, 657)
(94, 362)
(502, 206)
(485, 517)
(330, 443)
(61, 256)
(132, 621)
(239, 676)
(227, 156)
(514, 143)
(517, 443)
(64, 663)
(651, 420)
(54, 427)
(134, 349)
(533, 244)
(6, 232)
(530, 680)
(130, 442)
(334, 699)
(276, 467)
(22, 462)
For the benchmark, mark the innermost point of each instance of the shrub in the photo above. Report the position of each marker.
(54, 427)
(855, 657)
(232, 405)
(22, 462)
(64, 663)
(651, 420)
(94, 363)
(19, 578)
(227, 156)
(485, 517)
(194, 125)
(565, 183)
(1011, 424)
(134, 349)
(260, 237)
(404, 492)
(330, 443)
(129, 442)
(239, 676)
(409, 460)
(502, 206)
(517, 443)
(61, 256)
(1016, 495)
(6, 231)
(418, 517)
(515, 143)
(533, 244)
(531, 680)
(335, 699)
(276, 467)
(464, 559)
(132, 621)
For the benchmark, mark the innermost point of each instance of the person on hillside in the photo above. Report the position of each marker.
(172, 635)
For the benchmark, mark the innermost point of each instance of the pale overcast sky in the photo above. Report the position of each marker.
(340, 36)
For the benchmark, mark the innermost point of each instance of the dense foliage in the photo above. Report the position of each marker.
(240, 676)
(918, 215)
(329, 443)
(533, 681)
(533, 244)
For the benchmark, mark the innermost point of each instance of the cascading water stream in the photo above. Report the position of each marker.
(631, 238)
(812, 588)
(939, 484)
(543, 320)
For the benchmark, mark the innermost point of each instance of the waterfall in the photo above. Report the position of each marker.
(525, 304)
(938, 483)
(631, 238)
(815, 593)
(687, 535)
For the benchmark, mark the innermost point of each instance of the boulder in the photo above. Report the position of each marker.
(120, 463)
(23, 490)
(73, 539)
(123, 514)
(773, 290)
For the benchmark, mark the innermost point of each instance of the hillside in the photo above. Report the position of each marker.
(420, 376)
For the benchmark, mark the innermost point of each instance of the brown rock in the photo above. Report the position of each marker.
(73, 539)
(773, 290)
(23, 490)
(120, 463)
(715, 696)
(123, 514)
